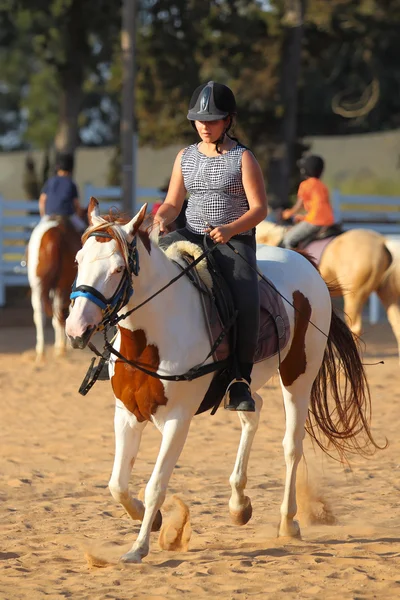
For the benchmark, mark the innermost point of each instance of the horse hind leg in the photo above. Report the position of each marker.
(128, 434)
(296, 400)
(239, 504)
(353, 305)
(389, 298)
(39, 318)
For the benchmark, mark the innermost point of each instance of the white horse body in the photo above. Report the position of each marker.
(173, 322)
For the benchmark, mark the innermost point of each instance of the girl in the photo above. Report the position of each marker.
(227, 199)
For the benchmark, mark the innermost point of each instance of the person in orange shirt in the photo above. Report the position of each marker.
(313, 196)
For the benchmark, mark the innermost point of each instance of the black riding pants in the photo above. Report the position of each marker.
(242, 282)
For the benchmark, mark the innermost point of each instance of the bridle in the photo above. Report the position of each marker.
(111, 306)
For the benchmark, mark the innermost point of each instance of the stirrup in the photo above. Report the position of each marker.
(242, 403)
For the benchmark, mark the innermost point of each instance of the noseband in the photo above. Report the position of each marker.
(111, 306)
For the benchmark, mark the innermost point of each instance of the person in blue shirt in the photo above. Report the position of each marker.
(59, 196)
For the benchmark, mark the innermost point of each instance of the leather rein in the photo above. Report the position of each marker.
(111, 306)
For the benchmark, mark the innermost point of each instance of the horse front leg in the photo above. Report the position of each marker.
(174, 436)
(58, 322)
(128, 434)
(39, 319)
(239, 504)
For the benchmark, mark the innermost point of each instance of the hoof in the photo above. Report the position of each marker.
(60, 352)
(40, 359)
(157, 522)
(242, 516)
(133, 557)
(289, 529)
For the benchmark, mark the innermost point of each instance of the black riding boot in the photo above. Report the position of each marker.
(239, 391)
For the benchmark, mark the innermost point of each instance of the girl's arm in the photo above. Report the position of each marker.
(42, 204)
(172, 205)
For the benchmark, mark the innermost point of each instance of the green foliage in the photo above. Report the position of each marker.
(48, 50)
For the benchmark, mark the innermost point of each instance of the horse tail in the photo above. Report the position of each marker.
(49, 266)
(346, 427)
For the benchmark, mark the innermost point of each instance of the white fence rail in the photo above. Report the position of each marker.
(380, 213)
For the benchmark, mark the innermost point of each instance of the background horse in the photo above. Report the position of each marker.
(359, 262)
(169, 336)
(51, 271)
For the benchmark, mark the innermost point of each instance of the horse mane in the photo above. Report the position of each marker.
(111, 224)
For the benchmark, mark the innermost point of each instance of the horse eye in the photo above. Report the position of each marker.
(119, 269)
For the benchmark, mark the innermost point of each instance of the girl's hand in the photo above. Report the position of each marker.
(161, 222)
(286, 214)
(221, 234)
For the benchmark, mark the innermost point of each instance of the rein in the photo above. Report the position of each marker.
(110, 307)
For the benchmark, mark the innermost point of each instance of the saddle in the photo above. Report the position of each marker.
(328, 231)
(220, 317)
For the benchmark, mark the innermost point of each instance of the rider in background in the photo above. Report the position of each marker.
(227, 199)
(59, 196)
(313, 196)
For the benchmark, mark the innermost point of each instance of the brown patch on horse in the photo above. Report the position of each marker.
(140, 393)
(295, 362)
(56, 267)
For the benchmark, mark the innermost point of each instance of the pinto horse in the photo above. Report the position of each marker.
(358, 262)
(167, 335)
(51, 271)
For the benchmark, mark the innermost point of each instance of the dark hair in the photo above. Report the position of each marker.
(65, 162)
(312, 166)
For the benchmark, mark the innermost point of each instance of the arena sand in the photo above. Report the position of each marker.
(61, 533)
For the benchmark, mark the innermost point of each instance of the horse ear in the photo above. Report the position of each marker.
(93, 210)
(134, 224)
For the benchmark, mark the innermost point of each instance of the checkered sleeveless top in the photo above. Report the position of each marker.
(214, 184)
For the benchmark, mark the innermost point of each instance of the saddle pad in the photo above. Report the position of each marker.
(316, 248)
(274, 322)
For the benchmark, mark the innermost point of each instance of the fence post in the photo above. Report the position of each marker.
(373, 309)
(2, 274)
(87, 193)
(336, 206)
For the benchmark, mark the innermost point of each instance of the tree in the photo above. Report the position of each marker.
(66, 47)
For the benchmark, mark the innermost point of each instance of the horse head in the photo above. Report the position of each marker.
(106, 263)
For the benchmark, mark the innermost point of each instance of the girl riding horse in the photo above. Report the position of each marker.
(227, 199)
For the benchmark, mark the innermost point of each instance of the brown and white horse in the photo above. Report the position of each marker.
(358, 262)
(51, 271)
(168, 336)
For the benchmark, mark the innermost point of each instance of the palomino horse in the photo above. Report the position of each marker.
(51, 271)
(169, 336)
(356, 261)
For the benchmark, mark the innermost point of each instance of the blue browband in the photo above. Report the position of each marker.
(122, 295)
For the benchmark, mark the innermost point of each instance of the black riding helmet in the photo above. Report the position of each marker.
(312, 166)
(210, 102)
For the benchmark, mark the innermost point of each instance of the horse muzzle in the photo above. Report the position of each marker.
(80, 342)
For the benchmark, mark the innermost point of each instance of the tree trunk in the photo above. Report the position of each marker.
(281, 164)
(67, 136)
(71, 75)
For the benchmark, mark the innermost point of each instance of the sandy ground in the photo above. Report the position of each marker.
(56, 511)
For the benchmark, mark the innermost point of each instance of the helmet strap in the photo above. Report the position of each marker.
(221, 139)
